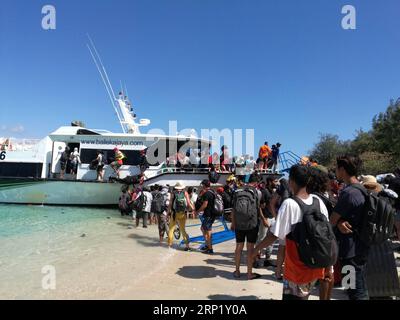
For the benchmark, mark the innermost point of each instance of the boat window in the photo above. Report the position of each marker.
(132, 156)
(20, 170)
(85, 132)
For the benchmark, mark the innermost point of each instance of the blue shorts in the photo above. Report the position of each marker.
(207, 223)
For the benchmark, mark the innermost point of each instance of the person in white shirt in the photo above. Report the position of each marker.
(74, 160)
(193, 198)
(299, 279)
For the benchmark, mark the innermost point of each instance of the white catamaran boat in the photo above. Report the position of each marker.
(30, 170)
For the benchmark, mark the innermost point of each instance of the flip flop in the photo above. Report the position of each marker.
(236, 275)
(255, 276)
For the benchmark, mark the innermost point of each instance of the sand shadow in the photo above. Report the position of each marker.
(220, 262)
(229, 255)
(126, 224)
(146, 241)
(197, 272)
(203, 272)
(229, 297)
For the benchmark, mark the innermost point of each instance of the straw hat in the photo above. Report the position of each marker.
(179, 186)
(371, 183)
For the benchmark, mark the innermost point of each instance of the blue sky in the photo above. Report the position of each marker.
(285, 68)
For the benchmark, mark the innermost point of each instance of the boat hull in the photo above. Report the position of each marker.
(85, 193)
(57, 192)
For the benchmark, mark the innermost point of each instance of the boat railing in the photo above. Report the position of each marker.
(182, 170)
(236, 171)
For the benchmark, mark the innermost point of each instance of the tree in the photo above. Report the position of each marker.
(379, 147)
(363, 142)
(375, 163)
(328, 148)
(386, 129)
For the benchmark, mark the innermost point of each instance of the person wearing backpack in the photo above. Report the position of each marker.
(246, 212)
(152, 213)
(347, 216)
(118, 162)
(123, 203)
(267, 191)
(142, 206)
(302, 221)
(207, 203)
(64, 161)
(160, 203)
(178, 205)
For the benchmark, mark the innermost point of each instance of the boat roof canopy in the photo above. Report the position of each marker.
(78, 131)
(66, 132)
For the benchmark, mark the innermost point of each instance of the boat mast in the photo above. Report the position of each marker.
(121, 105)
(104, 77)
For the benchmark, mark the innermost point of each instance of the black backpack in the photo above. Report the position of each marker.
(314, 236)
(327, 202)
(218, 204)
(377, 223)
(245, 207)
(140, 202)
(158, 203)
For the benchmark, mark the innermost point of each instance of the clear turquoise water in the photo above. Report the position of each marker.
(32, 237)
(112, 256)
(16, 220)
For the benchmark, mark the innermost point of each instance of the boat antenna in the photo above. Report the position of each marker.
(102, 65)
(126, 90)
(105, 78)
(122, 89)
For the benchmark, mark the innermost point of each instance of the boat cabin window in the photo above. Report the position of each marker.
(21, 170)
(85, 132)
(170, 147)
(132, 156)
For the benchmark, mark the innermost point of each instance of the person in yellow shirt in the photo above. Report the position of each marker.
(119, 157)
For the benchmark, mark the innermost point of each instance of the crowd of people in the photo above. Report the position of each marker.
(268, 160)
(314, 203)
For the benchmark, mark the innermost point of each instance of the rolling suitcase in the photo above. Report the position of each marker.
(382, 275)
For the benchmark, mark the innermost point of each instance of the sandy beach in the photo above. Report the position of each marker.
(107, 257)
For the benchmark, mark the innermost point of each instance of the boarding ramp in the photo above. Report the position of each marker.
(217, 236)
(288, 159)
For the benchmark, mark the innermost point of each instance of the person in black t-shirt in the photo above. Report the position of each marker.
(346, 216)
(208, 218)
(318, 185)
(266, 195)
